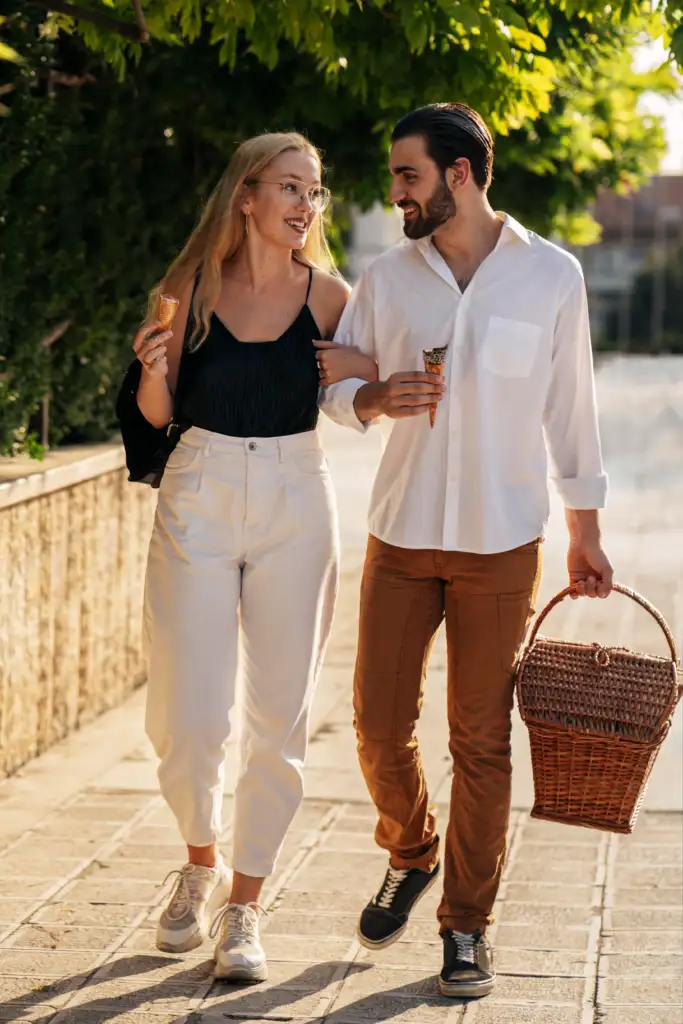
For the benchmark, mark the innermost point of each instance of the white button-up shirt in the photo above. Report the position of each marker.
(519, 388)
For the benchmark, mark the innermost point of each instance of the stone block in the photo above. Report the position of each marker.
(108, 915)
(641, 941)
(515, 936)
(51, 936)
(553, 894)
(647, 896)
(406, 954)
(279, 1001)
(29, 888)
(641, 991)
(378, 1008)
(534, 853)
(569, 963)
(562, 835)
(668, 855)
(97, 890)
(495, 1013)
(512, 912)
(15, 866)
(634, 876)
(645, 917)
(336, 925)
(558, 872)
(539, 990)
(52, 964)
(639, 1014)
(32, 990)
(639, 965)
(281, 947)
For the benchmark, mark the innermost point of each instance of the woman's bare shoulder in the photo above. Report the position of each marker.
(329, 295)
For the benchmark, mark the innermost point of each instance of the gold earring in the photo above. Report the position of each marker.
(246, 224)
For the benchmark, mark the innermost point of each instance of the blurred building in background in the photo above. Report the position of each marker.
(634, 275)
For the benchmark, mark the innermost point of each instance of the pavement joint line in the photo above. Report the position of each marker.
(326, 1003)
(64, 806)
(609, 850)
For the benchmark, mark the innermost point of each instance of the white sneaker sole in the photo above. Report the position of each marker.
(385, 943)
(466, 990)
(165, 941)
(242, 974)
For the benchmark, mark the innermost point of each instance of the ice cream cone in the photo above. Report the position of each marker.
(168, 307)
(434, 360)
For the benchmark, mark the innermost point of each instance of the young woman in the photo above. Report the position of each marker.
(244, 552)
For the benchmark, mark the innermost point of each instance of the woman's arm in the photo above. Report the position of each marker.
(337, 362)
(160, 358)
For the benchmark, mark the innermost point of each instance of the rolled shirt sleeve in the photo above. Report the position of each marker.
(571, 418)
(357, 328)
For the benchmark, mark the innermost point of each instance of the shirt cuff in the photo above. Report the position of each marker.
(337, 403)
(583, 492)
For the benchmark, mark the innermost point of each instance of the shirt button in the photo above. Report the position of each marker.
(252, 446)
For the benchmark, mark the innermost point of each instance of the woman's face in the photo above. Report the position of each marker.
(281, 201)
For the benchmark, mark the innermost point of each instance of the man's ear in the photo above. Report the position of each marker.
(458, 174)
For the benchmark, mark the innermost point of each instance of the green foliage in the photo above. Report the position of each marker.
(102, 173)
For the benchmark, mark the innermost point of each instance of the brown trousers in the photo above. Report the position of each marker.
(487, 601)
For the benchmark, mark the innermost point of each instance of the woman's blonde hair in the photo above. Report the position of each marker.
(222, 229)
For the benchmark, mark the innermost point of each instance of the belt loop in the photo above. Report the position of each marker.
(280, 453)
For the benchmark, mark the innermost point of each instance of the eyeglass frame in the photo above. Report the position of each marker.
(299, 193)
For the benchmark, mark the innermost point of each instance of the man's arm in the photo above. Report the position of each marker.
(356, 403)
(571, 428)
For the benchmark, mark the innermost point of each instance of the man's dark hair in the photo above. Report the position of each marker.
(451, 131)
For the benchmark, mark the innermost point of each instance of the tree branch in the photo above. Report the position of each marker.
(56, 333)
(98, 18)
(140, 18)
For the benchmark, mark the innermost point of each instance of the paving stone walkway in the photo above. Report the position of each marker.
(589, 926)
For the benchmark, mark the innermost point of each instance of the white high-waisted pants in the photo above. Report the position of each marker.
(244, 547)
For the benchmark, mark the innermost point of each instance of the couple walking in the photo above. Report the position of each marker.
(243, 563)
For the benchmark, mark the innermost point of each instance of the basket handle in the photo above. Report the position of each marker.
(633, 594)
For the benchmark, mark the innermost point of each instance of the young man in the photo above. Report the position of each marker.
(458, 510)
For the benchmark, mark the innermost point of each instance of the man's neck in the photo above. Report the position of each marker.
(466, 241)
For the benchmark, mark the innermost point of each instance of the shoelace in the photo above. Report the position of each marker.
(394, 878)
(241, 920)
(466, 945)
(186, 887)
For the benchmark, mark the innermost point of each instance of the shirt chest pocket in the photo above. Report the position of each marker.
(510, 347)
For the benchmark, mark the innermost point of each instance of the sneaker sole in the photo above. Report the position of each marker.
(466, 990)
(245, 975)
(395, 936)
(193, 942)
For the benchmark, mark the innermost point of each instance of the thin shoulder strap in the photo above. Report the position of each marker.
(310, 282)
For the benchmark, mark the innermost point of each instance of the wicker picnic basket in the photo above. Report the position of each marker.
(597, 717)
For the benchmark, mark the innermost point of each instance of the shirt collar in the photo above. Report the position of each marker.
(510, 224)
(436, 261)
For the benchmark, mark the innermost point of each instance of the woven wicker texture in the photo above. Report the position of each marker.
(596, 718)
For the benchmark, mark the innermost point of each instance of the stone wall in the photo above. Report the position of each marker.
(73, 546)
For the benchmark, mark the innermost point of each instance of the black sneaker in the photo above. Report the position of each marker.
(385, 918)
(467, 965)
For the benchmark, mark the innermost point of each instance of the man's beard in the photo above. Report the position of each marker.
(440, 208)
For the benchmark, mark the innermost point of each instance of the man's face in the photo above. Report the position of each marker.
(418, 188)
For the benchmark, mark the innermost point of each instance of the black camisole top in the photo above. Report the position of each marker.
(255, 388)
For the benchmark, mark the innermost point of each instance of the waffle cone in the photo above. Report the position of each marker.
(436, 368)
(168, 307)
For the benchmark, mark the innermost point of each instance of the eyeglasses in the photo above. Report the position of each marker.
(318, 196)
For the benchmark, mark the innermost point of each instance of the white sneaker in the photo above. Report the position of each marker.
(197, 896)
(239, 953)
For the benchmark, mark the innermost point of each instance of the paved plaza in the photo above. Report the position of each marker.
(589, 926)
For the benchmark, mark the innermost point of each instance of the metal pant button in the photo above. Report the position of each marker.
(252, 446)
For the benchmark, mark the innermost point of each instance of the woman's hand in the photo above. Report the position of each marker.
(340, 362)
(150, 348)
